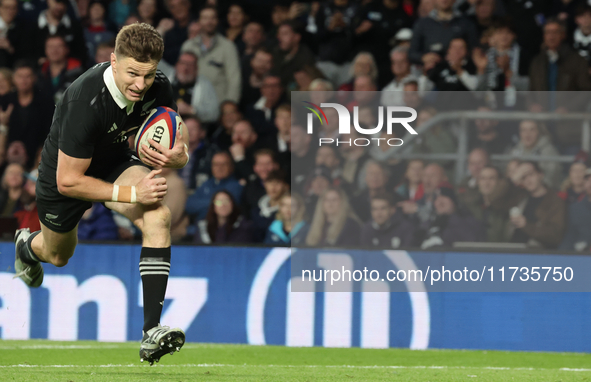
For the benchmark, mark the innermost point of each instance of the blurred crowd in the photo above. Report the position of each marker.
(256, 177)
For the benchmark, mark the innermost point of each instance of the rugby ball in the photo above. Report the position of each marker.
(161, 126)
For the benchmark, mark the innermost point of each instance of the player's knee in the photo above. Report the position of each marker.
(158, 217)
(60, 261)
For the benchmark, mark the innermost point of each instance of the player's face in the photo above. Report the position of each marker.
(133, 78)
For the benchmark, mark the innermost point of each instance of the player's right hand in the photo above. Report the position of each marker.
(151, 189)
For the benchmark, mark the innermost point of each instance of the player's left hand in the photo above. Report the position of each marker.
(164, 157)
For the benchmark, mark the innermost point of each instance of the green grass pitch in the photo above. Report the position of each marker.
(92, 361)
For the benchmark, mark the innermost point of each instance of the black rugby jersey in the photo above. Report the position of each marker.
(94, 120)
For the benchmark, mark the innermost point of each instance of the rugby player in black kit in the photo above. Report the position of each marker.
(86, 158)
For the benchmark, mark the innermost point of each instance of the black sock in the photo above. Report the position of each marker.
(28, 256)
(154, 268)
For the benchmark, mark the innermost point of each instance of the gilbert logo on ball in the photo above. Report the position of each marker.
(161, 126)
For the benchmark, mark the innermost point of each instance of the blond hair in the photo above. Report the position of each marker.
(319, 220)
(139, 41)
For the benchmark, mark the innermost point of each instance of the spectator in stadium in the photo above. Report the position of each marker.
(535, 140)
(253, 75)
(263, 212)
(120, 11)
(572, 189)
(193, 92)
(319, 88)
(148, 12)
(224, 224)
(6, 84)
(375, 28)
(12, 188)
(222, 170)
(302, 156)
(538, 217)
(400, 66)
(582, 35)
(376, 179)
(334, 223)
(103, 52)
(385, 152)
(96, 31)
(487, 135)
(438, 139)
(354, 159)
(289, 227)
(304, 78)
(432, 34)
(511, 168)
(253, 38)
(30, 117)
(456, 71)
(290, 54)
(262, 113)
(15, 36)
(26, 210)
(467, 190)
(17, 153)
(494, 221)
(364, 94)
(578, 227)
(422, 208)
(411, 187)
(245, 142)
(59, 70)
(97, 223)
(279, 14)
(565, 11)
(329, 157)
(201, 151)
(412, 92)
(558, 67)
(229, 116)
(317, 183)
(265, 162)
(503, 64)
(483, 18)
(219, 55)
(449, 224)
(334, 21)
(56, 21)
(281, 143)
(387, 228)
(174, 30)
(236, 20)
(363, 65)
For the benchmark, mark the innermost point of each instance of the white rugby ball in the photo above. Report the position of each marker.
(161, 126)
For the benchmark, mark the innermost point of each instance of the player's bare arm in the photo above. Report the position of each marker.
(72, 182)
(177, 157)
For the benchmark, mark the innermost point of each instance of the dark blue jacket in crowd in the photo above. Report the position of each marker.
(578, 229)
(242, 232)
(198, 203)
(99, 226)
(262, 215)
(396, 232)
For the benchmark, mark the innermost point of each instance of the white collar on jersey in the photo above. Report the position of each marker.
(119, 98)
